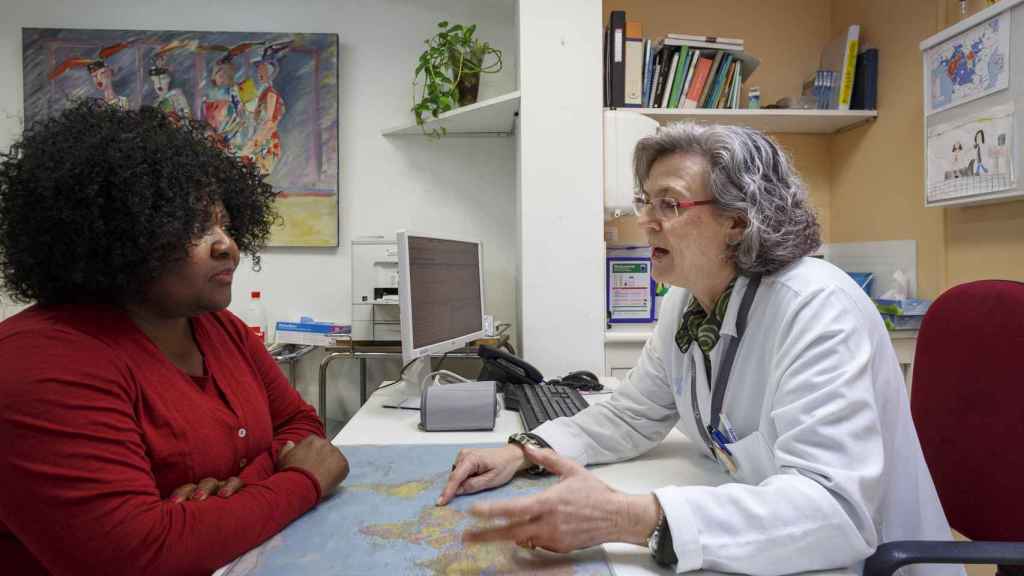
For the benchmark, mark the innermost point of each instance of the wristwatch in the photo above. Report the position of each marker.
(660, 542)
(530, 439)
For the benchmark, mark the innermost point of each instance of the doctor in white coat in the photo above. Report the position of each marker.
(776, 363)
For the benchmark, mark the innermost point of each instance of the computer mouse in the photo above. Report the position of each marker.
(582, 380)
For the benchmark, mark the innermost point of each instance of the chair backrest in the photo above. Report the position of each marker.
(968, 406)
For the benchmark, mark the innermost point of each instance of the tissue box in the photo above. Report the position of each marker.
(903, 314)
(863, 279)
(307, 332)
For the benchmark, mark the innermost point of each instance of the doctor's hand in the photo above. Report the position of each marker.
(479, 469)
(579, 512)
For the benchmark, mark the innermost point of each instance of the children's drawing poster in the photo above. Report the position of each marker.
(972, 156)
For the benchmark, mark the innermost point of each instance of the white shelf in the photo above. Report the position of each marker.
(491, 116)
(767, 120)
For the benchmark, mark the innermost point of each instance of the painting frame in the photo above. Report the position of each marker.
(271, 97)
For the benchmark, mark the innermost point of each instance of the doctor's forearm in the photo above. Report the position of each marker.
(639, 518)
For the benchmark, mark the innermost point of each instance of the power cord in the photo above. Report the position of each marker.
(400, 373)
(453, 377)
(441, 361)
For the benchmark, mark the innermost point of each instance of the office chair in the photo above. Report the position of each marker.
(968, 408)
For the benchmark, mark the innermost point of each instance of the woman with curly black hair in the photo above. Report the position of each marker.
(145, 429)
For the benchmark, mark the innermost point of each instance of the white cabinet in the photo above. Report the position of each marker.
(622, 350)
(622, 347)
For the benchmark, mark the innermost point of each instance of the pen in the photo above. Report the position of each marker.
(721, 441)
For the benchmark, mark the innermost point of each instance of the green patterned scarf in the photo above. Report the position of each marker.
(698, 326)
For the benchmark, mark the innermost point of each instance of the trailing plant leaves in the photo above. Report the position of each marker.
(449, 55)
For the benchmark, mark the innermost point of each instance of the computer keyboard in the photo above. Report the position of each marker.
(538, 403)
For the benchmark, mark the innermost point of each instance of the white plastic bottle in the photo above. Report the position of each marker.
(256, 316)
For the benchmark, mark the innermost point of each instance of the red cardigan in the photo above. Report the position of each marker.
(97, 428)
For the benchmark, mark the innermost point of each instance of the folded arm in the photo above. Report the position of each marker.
(293, 419)
(79, 488)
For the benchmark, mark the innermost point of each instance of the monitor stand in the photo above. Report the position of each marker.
(409, 389)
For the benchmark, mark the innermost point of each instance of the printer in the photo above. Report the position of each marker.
(375, 316)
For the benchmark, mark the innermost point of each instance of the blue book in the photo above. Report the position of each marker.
(716, 90)
(648, 73)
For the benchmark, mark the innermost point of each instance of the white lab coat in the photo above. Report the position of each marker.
(829, 463)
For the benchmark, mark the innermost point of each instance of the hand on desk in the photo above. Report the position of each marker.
(479, 469)
(579, 512)
(318, 457)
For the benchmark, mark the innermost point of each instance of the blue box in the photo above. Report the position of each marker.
(316, 333)
(863, 279)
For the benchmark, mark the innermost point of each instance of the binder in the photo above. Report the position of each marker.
(634, 66)
(865, 81)
(617, 66)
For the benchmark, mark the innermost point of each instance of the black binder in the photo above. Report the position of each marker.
(617, 52)
(865, 81)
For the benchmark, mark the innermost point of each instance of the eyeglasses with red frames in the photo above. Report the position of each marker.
(664, 207)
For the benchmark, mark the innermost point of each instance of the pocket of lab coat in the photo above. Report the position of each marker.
(754, 458)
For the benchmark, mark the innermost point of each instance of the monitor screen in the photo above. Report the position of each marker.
(444, 286)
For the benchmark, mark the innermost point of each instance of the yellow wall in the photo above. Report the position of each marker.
(878, 170)
(981, 241)
(868, 183)
(784, 66)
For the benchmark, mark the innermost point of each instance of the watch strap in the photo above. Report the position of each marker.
(664, 551)
(524, 438)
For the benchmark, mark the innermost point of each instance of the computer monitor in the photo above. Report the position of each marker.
(441, 301)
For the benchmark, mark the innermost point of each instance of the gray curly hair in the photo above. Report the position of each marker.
(750, 177)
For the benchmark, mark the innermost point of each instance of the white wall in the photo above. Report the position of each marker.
(561, 199)
(460, 186)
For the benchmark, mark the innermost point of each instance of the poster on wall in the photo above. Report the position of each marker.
(271, 98)
(971, 157)
(970, 65)
(631, 290)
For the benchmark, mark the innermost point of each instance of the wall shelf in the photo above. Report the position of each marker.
(767, 120)
(494, 116)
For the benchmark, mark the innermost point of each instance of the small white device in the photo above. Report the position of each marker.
(459, 406)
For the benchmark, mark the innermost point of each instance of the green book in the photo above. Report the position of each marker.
(680, 78)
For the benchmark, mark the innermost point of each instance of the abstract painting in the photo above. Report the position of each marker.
(272, 99)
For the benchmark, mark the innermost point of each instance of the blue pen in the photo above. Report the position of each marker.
(720, 440)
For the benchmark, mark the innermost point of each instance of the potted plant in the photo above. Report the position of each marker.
(450, 69)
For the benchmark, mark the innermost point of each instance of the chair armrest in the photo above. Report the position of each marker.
(892, 555)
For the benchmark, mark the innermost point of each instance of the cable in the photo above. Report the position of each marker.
(441, 361)
(453, 376)
(400, 373)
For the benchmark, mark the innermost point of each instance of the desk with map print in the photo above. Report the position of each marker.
(382, 520)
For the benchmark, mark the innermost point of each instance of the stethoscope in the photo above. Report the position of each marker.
(722, 380)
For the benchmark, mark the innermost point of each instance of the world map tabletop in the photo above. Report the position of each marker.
(382, 520)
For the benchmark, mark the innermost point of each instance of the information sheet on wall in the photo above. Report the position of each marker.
(631, 290)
